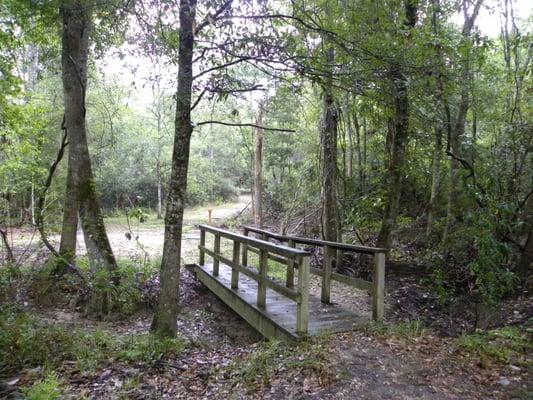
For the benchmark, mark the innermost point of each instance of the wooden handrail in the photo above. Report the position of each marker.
(292, 255)
(318, 242)
(262, 244)
(376, 287)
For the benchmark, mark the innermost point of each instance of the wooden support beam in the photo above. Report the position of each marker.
(302, 307)
(202, 244)
(216, 250)
(234, 271)
(329, 254)
(245, 249)
(261, 285)
(379, 287)
(290, 268)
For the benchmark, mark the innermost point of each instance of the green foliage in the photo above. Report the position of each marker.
(45, 389)
(499, 345)
(406, 330)
(27, 341)
(475, 262)
(108, 300)
(271, 357)
(149, 349)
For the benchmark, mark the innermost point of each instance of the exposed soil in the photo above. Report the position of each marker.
(356, 365)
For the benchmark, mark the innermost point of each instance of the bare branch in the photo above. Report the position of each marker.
(245, 125)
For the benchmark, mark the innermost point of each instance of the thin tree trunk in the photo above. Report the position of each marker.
(455, 194)
(435, 180)
(159, 191)
(328, 147)
(164, 322)
(81, 190)
(258, 166)
(398, 135)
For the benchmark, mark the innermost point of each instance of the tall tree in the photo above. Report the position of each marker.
(258, 164)
(81, 194)
(399, 136)
(164, 322)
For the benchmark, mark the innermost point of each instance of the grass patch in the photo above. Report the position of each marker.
(498, 345)
(409, 329)
(28, 342)
(45, 389)
(269, 358)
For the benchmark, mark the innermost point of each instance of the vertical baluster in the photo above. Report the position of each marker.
(202, 245)
(302, 308)
(379, 287)
(234, 272)
(245, 250)
(290, 267)
(261, 284)
(326, 277)
(216, 261)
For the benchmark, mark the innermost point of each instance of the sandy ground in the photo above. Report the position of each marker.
(149, 234)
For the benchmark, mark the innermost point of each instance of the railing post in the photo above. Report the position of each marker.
(201, 261)
(216, 261)
(379, 287)
(245, 250)
(290, 267)
(234, 272)
(302, 308)
(326, 277)
(261, 284)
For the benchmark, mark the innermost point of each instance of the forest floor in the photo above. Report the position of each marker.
(223, 358)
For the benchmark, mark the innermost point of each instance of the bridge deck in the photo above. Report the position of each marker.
(278, 319)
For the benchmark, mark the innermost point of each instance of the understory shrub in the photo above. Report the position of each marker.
(474, 262)
(27, 341)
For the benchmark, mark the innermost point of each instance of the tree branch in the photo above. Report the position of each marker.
(245, 125)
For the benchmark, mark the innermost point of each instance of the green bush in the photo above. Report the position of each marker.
(46, 389)
(149, 349)
(475, 262)
(500, 345)
(124, 300)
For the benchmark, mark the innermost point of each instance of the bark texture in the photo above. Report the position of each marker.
(164, 322)
(398, 136)
(328, 150)
(81, 191)
(258, 167)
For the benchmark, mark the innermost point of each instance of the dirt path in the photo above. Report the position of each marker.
(150, 234)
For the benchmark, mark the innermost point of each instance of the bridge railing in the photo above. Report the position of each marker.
(266, 251)
(376, 287)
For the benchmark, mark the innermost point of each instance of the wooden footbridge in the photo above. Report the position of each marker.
(285, 310)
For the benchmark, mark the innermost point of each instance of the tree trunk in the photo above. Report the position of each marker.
(81, 190)
(328, 149)
(435, 180)
(398, 138)
(258, 166)
(164, 322)
(159, 190)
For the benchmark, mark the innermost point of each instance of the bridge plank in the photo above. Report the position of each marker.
(281, 312)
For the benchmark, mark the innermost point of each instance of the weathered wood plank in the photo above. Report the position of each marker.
(263, 272)
(302, 310)
(216, 250)
(275, 248)
(379, 287)
(235, 271)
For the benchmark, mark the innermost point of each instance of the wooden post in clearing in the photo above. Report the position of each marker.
(245, 250)
(261, 284)
(216, 261)
(302, 308)
(234, 272)
(290, 267)
(379, 287)
(209, 211)
(326, 278)
(202, 244)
